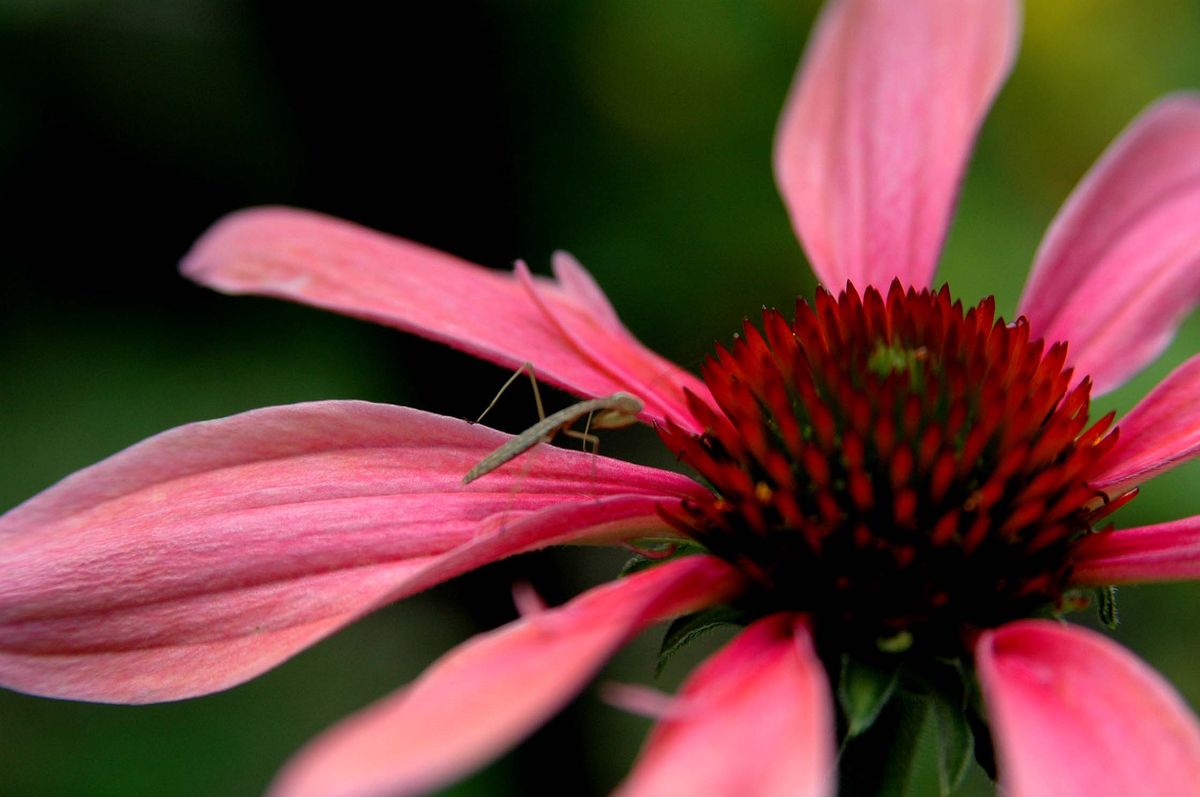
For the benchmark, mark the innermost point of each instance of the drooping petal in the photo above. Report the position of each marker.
(1163, 552)
(1120, 267)
(1074, 713)
(1162, 431)
(878, 127)
(565, 328)
(486, 695)
(207, 554)
(756, 719)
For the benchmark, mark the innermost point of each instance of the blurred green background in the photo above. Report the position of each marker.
(635, 134)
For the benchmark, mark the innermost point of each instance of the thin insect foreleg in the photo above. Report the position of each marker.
(588, 439)
(537, 396)
(585, 435)
(612, 412)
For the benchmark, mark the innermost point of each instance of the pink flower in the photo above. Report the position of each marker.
(898, 481)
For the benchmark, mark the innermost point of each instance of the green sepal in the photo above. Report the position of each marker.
(864, 688)
(1106, 602)
(687, 628)
(878, 763)
(985, 752)
(955, 741)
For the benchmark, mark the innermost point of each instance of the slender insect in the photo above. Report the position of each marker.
(606, 412)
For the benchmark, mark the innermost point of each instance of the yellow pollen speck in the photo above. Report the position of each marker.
(897, 643)
(763, 492)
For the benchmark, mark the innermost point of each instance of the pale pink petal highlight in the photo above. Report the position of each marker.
(1162, 431)
(486, 695)
(565, 328)
(756, 719)
(207, 554)
(639, 699)
(1163, 552)
(1120, 267)
(577, 283)
(877, 130)
(1074, 713)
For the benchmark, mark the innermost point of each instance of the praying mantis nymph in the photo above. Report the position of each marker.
(606, 412)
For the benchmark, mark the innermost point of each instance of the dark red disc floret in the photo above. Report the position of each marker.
(904, 471)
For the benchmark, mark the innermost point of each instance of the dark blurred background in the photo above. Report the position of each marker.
(637, 135)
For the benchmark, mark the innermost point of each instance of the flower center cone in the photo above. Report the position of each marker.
(904, 471)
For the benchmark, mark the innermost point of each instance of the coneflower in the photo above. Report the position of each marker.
(899, 494)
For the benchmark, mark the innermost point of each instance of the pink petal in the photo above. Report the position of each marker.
(1074, 713)
(878, 127)
(565, 328)
(486, 695)
(207, 554)
(754, 719)
(1164, 552)
(1162, 431)
(577, 283)
(1120, 267)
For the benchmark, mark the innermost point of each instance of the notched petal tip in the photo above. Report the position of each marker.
(208, 258)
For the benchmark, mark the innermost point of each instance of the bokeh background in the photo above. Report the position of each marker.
(635, 134)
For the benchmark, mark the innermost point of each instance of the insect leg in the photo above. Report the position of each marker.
(537, 396)
(588, 439)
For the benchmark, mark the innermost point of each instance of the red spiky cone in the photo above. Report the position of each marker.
(895, 466)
